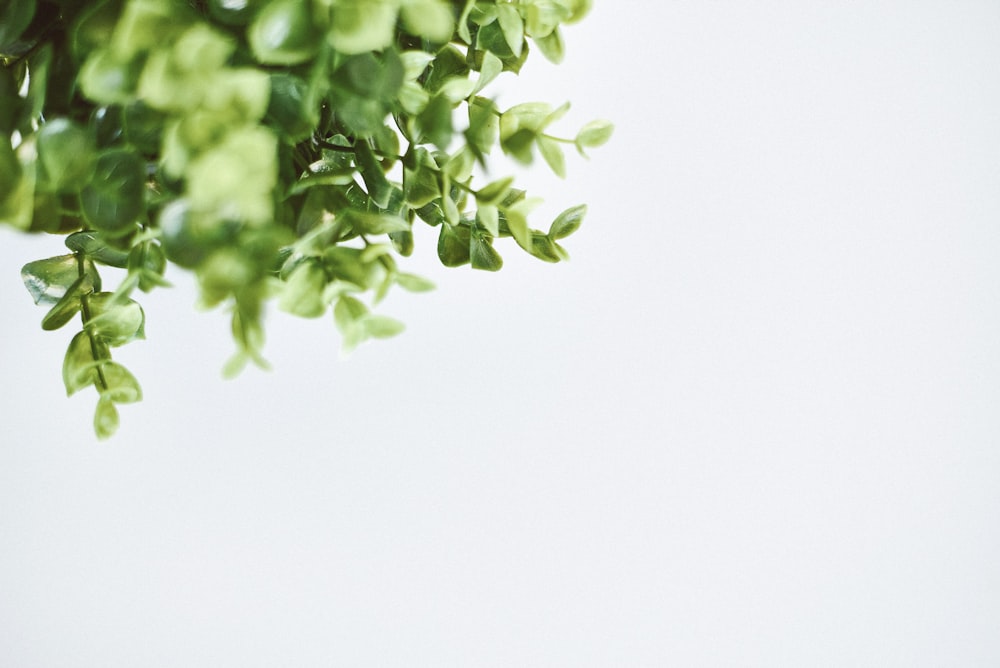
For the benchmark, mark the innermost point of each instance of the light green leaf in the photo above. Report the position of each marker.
(362, 25)
(553, 154)
(48, 280)
(79, 365)
(512, 26)
(594, 134)
(453, 246)
(482, 254)
(414, 283)
(120, 386)
(302, 294)
(551, 46)
(105, 418)
(489, 217)
(382, 327)
(284, 32)
(114, 320)
(494, 192)
(567, 222)
(431, 19)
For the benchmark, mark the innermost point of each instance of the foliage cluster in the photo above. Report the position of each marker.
(282, 148)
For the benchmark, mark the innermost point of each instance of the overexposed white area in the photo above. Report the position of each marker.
(754, 422)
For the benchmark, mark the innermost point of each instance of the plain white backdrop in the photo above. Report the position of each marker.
(753, 422)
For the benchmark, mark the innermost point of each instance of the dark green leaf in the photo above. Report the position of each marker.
(453, 246)
(91, 244)
(113, 201)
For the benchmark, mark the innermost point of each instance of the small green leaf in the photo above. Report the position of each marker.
(79, 366)
(551, 46)
(483, 255)
(493, 193)
(414, 283)
(382, 327)
(48, 280)
(453, 245)
(512, 26)
(594, 134)
(66, 154)
(362, 25)
(284, 33)
(489, 217)
(116, 321)
(379, 188)
(430, 19)
(93, 245)
(553, 154)
(14, 20)
(567, 222)
(114, 199)
(302, 294)
(120, 386)
(105, 418)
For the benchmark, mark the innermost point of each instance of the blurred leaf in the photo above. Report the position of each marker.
(105, 418)
(414, 283)
(284, 32)
(553, 154)
(66, 154)
(113, 201)
(593, 134)
(302, 294)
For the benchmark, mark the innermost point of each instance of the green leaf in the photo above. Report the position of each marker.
(434, 122)
(382, 327)
(453, 246)
(488, 216)
(68, 306)
(594, 134)
(375, 223)
(512, 26)
(431, 19)
(15, 16)
(493, 193)
(414, 283)
(302, 294)
(105, 418)
(79, 365)
(114, 320)
(553, 154)
(551, 46)
(362, 25)
(379, 188)
(93, 245)
(284, 32)
(48, 280)
(567, 222)
(120, 386)
(66, 154)
(483, 255)
(420, 184)
(543, 248)
(113, 201)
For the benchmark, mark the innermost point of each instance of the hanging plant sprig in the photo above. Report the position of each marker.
(278, 150)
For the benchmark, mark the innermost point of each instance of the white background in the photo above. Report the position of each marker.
(754, 422)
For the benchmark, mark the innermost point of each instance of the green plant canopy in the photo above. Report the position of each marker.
(278, 149)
